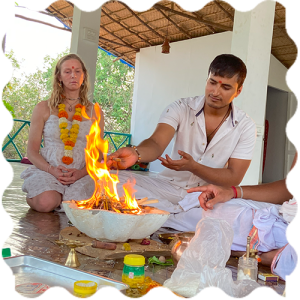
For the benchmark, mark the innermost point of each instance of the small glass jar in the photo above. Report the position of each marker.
(247, 268)
(133, 271)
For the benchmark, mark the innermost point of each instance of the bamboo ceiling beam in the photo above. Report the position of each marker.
(286, 53)
(131, 31)
(111, 33)
(45, 23)
(69, 2)
(118, 58)
(224, 10)
(197, 19)
(283, 47)
(66, 19)
(281, 23)
(283, 30)
(57, 11)
(179, 28)
(47, 14)
(118, 54)
(144, 23)
(116, 43)
(209, 28)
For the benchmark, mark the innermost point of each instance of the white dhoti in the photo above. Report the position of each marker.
(184, 207)
(266, 226)
(151, 187)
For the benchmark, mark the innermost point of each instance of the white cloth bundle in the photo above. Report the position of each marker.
(289, 209)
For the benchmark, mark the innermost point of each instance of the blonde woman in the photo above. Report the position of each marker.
(59, 171)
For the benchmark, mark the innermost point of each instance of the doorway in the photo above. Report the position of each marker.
(277, 116)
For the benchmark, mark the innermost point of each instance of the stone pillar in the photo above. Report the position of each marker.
(3, 44)
(85, 38)
(251, 41)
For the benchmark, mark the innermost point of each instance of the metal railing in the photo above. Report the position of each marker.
(109, 135)
(115, 139)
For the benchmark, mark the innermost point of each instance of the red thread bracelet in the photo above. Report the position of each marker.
(235, 191)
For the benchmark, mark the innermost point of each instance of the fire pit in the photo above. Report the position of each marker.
(107, 225)
(106, 216)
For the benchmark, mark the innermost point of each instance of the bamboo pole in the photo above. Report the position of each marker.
(131, 31)
(224, 10)
(197, 19)
(179, 28)
(136, 16)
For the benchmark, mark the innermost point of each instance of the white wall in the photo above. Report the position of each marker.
(160, 79)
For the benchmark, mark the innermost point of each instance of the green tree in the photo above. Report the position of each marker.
(22, 93)
(13, 83)
(113, 91)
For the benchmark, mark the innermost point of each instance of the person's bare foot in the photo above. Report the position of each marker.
(267, 257)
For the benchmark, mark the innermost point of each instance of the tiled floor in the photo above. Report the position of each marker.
(34, 234)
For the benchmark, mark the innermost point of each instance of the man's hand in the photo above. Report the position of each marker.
(122, 158)
(70, 177)
(186, 163)
(212, 194)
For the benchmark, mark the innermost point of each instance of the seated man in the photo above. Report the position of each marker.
(214, 141)
(265, 218)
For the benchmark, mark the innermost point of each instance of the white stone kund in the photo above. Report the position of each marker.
(106, 225)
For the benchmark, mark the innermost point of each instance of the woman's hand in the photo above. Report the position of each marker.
(57, 171)
(212, 194)
(71, 176)
(186, 162)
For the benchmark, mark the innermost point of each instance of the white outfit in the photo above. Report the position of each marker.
(37, 181)
(234, 139)
(266, 227)
(289, 209)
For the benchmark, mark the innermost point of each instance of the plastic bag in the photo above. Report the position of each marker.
(203, 263)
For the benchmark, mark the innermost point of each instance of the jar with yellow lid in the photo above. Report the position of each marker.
(133, 271)
(85, 288)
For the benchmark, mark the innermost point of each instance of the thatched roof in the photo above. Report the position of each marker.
(123, 31)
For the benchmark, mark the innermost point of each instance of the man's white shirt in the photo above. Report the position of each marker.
(234, 139)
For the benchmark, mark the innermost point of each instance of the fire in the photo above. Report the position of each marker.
(105, 195)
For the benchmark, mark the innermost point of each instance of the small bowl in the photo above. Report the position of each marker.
(167, 238)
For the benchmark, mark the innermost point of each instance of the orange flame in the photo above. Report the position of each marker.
(105, 183)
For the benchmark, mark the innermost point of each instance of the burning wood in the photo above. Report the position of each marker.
(105, 195)
(108, 203)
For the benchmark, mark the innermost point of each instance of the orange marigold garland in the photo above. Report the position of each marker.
(69, 137)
